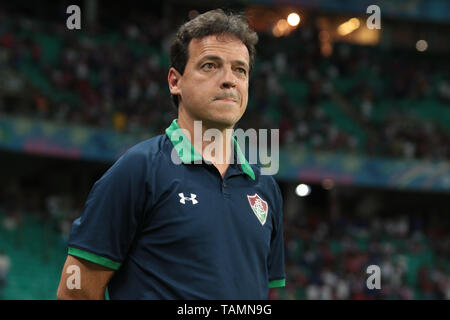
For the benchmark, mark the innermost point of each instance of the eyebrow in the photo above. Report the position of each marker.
(219, 59)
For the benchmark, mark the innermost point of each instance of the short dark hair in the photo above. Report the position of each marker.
(214, 22)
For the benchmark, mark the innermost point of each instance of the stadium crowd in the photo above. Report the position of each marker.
(328, 258)
(327, 254)
(118, 80)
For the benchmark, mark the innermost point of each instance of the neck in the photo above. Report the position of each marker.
(216, 146)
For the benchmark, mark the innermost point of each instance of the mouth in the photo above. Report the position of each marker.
(227, 100)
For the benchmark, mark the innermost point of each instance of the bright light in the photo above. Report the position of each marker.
(276, 31)
(302, 190)
(293, 19)
(421, 45)
(348, 26)
(354, 22)
(281, 28)
(282, 25)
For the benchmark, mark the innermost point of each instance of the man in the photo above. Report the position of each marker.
(5, 264)
(208, 228)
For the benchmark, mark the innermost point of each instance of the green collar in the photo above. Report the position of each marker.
(185, 144)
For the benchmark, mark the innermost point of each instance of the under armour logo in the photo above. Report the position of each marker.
(192, 198)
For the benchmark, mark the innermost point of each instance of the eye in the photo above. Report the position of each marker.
(208, 66)
(242, 70)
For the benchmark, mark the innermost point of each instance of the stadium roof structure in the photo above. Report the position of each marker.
(430, 10)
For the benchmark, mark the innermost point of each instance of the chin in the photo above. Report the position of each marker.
(219, 115)
(222, 121)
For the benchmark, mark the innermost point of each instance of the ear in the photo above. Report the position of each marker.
(173, 79)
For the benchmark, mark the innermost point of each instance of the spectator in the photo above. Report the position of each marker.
(5, 263)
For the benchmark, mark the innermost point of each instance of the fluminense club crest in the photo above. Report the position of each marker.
(259, 207)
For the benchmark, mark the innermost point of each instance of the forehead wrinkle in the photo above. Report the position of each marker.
(208, 46)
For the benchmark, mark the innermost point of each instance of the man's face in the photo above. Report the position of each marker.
(214, 86)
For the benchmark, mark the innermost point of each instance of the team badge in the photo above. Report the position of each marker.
(259, 207)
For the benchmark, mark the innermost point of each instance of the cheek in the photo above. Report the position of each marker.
(190, 92)
(244, 96)
(197, 89)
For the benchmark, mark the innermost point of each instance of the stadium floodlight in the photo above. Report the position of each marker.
(276, 31)
(421, 45)
(303, 190)
(283, 25)
(281, 28)
(349, 26)
(293, 19)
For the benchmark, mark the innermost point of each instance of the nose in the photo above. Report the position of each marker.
(228, 80)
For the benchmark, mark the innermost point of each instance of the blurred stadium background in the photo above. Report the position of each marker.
(364, 119)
